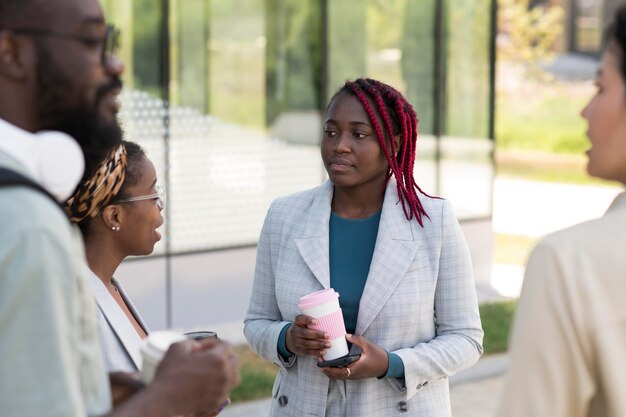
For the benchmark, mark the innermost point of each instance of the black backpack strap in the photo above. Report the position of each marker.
(9, 178)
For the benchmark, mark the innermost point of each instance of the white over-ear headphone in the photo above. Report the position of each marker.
(53, 159)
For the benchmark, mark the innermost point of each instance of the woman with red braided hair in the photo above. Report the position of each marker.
(118, 209)
(395, 255)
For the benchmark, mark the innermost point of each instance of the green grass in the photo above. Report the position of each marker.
(544, 119)
(548, 174)
(539, 166)
(497, 319)
(257, 375)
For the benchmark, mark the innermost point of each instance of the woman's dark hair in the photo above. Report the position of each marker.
(399, 118)
(615, 37)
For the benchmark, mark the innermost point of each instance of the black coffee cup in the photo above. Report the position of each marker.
(201, 335)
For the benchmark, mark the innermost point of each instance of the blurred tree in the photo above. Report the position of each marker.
(527, 32)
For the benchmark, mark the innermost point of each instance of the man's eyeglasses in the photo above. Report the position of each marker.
(110, 42)
(159, 196)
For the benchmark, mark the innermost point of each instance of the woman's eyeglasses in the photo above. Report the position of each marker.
(159, 196)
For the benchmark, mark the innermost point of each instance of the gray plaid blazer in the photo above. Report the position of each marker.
(419, 302)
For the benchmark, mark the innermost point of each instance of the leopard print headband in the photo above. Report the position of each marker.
(95, 193)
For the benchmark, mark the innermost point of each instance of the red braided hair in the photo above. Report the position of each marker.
(398, 117)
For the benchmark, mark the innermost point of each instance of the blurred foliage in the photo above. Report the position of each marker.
(547, 122)
(257, 376)
(497, 321)
(529, 32)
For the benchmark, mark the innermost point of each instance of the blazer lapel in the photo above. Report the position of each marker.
(393, 254)
(313, 245)
(118, 321)
(131, 307)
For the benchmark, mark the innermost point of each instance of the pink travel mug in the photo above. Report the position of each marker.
(323, 305)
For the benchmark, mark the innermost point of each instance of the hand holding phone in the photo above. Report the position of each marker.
(340, 362)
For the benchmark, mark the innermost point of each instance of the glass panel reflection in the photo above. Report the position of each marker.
(466, 166)
(244, 119)
(588, 25)
(392, 41)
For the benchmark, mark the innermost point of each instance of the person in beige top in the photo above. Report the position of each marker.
(568, 347)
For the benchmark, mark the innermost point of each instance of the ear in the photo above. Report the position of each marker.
(397, 141)
(112, 216)
(16, 56)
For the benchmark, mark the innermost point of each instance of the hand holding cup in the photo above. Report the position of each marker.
(302, 340)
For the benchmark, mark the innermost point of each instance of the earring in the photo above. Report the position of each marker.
(115, 228)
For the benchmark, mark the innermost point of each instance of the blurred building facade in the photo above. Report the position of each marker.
(583, 23)
(227, 98)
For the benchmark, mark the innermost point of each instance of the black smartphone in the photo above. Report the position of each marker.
(340, 362)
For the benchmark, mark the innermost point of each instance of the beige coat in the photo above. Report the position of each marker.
(569, 340)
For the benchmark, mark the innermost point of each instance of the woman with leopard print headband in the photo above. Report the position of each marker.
(118, 209)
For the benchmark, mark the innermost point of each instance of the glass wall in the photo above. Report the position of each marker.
(392, 41)
(227, 97)
(466, 164)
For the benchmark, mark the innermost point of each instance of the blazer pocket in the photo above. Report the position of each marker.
(418, 264)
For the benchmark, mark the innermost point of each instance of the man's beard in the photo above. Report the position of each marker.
(79, 118)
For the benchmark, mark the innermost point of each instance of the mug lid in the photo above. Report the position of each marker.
(316, 298)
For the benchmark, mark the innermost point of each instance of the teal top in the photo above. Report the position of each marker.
(351, 248)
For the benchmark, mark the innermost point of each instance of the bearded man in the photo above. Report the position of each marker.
(59, 72)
